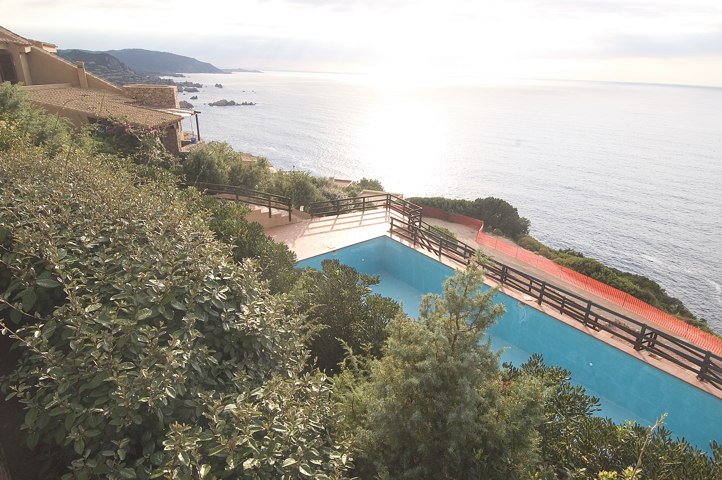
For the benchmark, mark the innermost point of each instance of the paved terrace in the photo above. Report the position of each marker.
(316, 236)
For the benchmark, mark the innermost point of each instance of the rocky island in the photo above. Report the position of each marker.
(229, 103)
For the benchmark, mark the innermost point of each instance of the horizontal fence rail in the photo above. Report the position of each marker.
(369, 202)
(246, 195)
(443, 245)
(641, 336)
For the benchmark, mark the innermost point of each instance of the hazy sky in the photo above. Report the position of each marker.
(667, 41)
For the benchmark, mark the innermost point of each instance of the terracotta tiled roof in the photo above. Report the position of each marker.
(9, 37)
(100, 104)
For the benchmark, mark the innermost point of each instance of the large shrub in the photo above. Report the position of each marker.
(20, 120)
(498, 215)
(248, 240)
(301, 187)
(217, 162)
(142, 145)
(576, 444)
(435, 405)
(339, 303)
(146, 351)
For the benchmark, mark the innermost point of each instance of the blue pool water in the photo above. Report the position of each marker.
(628, 388)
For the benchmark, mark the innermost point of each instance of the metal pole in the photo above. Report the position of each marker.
(198, 127)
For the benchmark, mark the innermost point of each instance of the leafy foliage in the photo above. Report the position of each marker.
(435, 405)
(576, 444)
(370, 184)
(146, 352)
(355, 189)
(301, 187)
(637, 286)
(140, 144)
(338, 302)
(498, 215)
(217, 162)
(275, 261)
(20, 121)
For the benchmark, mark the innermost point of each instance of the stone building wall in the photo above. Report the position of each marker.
(158, 96)
(171, 138)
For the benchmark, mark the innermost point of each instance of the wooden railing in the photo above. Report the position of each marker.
(641, 336)
(423, 235)
(246, 195)
(369, 202)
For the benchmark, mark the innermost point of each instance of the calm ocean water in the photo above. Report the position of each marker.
(628, 174)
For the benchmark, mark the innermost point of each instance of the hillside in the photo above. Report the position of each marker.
(107, 66)
(161, 63)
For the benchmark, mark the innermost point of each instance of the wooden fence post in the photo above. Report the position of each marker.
(702, 375)
(541, 293)
(638, 344)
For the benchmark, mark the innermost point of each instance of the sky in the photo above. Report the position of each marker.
(660, 41)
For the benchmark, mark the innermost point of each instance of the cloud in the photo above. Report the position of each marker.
(350, 5)
(625, 8)
(690, 45)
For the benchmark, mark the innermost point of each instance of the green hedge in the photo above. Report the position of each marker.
(146, 351)
(499, 216)
(637, 286)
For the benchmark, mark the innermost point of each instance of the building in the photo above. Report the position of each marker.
(67, 89)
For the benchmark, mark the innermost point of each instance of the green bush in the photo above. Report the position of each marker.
(496, 213)
(354, 190)
(21, 121)
(146, 351)
(254, 175)
(576, 444)
(370, 184)
(301, 187)
(217, 162)
(339, 304)
(247, 240)
(435, 406)
(140, 144)
(210, 163)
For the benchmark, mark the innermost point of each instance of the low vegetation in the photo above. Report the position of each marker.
(217, 162)
(637, 286)
(339, 305)
(151, 332)
(499, 216)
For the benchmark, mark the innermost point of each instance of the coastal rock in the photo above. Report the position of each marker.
(186, 105)
(194, 97)
(223, 103)
(218, 85)
(229, 103)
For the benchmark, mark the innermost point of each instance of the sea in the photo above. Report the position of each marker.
(629, 174)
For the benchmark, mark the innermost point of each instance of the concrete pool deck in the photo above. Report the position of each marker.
(316, 236)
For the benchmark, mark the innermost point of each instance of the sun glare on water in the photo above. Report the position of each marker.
(403, 139)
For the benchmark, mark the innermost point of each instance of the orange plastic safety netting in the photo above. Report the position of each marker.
(652, 314)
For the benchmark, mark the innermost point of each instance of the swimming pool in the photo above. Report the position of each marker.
(628, 388)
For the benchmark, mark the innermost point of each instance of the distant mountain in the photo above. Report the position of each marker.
(107, 66)
(161, 63)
